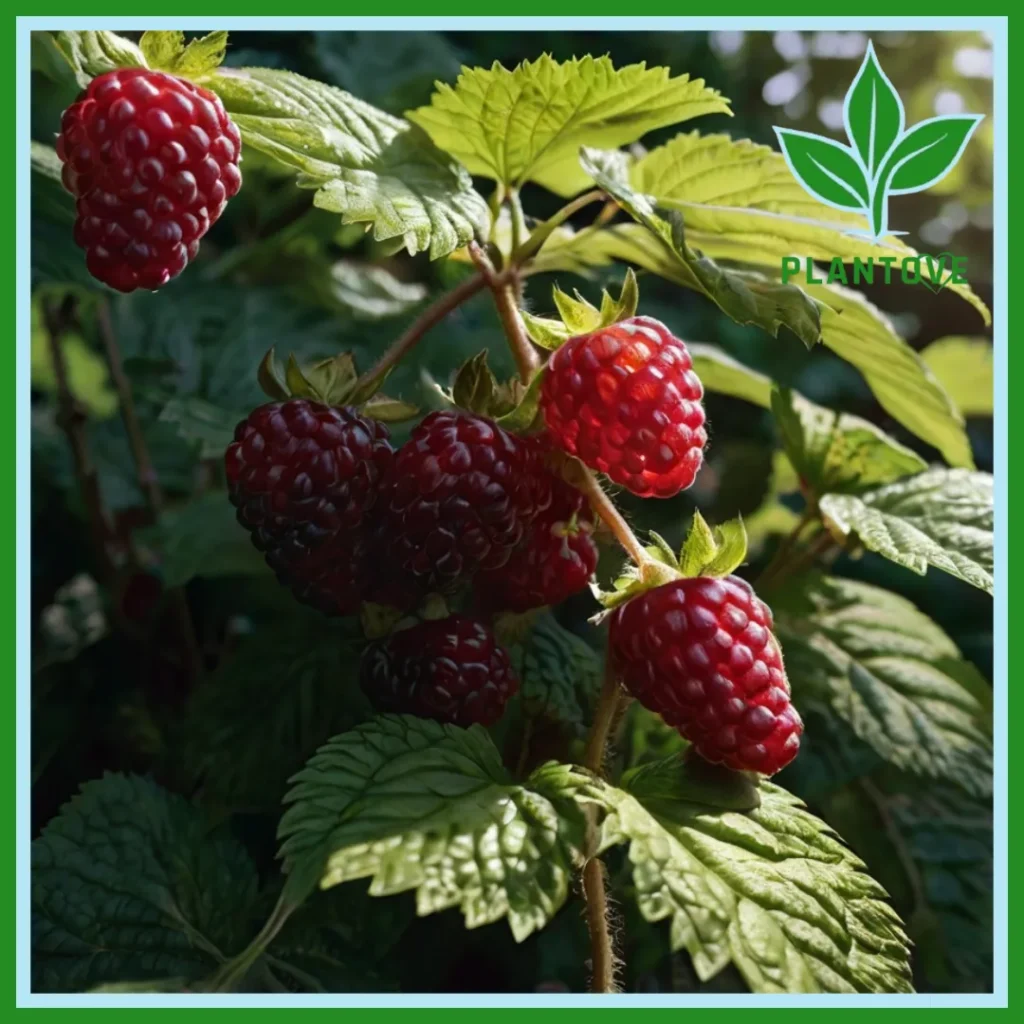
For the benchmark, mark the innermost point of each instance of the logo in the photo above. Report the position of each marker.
(884, 158)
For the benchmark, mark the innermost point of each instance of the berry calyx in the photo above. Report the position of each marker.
(459, 498)
(625, 400)
(452, 670)
(304, 477)
(701, 653)
(152, 160)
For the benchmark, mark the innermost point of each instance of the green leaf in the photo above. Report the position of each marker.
(827, 169)
(858, 332)
(927, 153)
(941, 518)
(741, 203)
(129, 883)
(522, 417)
(45, 161)
(373, 293)
(892, 674)
(204, 423)
(559, 673)
(388, 410)
(528, 124)
(963, 367)
(543, 331)
(202, 538)
(371, 167)
(166, 51)
(717, 552)
(839, 452)
(95, 53)
(772, 890)
(747, 297)
(578, 316)
(413, 804)
(873, 113)
(268, 705)
(476, 389)
(720, 372)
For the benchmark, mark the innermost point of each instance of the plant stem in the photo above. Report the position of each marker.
(72, 418)
(524, 748)
(604, 718)
(820, 546)
(522, 252)
(784, 549)
(903, 854)
(428, 319)
(602, 957)
(611, 516)
(236, 969)
(503, 289)
(149, 482)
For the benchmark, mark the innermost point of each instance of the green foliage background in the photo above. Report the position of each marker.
(111, 695)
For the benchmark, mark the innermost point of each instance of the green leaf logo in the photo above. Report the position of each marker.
(883, 158)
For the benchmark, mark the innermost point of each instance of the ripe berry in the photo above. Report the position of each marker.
(555, 561)
(152, 160)
(700, 653)
(451, 670)
(303, 477)
(459, 498)
(626, 401)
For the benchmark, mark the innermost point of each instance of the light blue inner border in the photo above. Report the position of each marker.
(997, 29)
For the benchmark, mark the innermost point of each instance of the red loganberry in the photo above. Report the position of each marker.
(303, 477)
(701, 653)
(459, 498)
(626, 401)
(152, 160)
(555, 561)
(451, 670)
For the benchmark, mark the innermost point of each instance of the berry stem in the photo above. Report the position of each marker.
(525, 251)
(611, 516)
(149, 483)
(503, 289)
(604, 719)
(428, 319)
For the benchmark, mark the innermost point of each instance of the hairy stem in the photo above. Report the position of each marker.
(503, 288)
(604, 719)
(149, 482)
(611, 516)
(428, 319)
(72, 419)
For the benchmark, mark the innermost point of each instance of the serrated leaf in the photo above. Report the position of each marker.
(838, 452)
(717, 552)
(129, 883)
(95, 53)
(873, 113)
(202, 538)
(413, 804)
(267, 706)
(889, 672)
(371, 167)
(772, 890)
(858, 332)
(166, 51)
(373, 293)
(964, 367)
(941, 518)
(741, 203)
(746, 296)
(529, 123)
(559, 673)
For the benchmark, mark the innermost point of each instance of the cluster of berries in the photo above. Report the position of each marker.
(343, 518)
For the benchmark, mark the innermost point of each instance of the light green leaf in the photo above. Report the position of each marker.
(45, 161)
(372, 293)
(388, 410)
(772, 890)
(892, 674)
(717, 552)
(268, 705)
(167, 51)
(839, 452)
(904, 386)
(544, 331)
(130, 883)
(559, 673)
(95, 53)
(571, 251)
(741, 203)
(528, 124)
(521, 418)
(941, 518)
(579, 316)
(413, 804)
(746, 296)
(371, 167)
(964, 368)
(720, 372)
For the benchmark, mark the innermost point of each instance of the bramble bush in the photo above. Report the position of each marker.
(419, 714)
